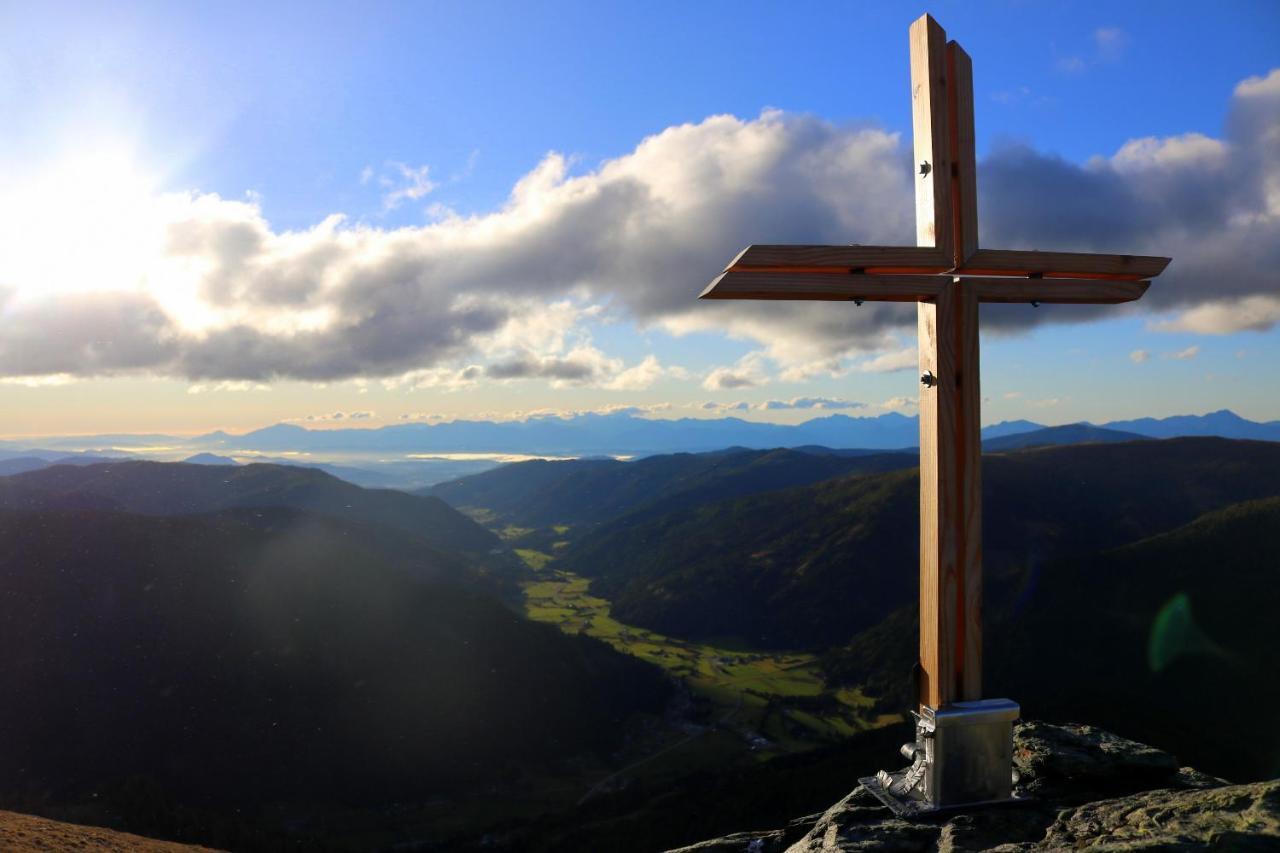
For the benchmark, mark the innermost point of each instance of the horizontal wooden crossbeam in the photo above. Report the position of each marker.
(1062, 265)
(873, 260)
(1065, 291)
(910, 260)
(847, 287)
(824, 286)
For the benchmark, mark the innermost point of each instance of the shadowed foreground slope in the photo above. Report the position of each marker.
(244, 658)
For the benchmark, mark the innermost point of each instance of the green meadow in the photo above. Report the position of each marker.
(777, 701)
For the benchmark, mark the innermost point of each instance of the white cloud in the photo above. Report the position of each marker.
(532, 414)
(447, 378)
(747, 372)
(1138, 356)
(200, 287)
(906, 358)
(47, 380)
(905, 405)
(739, 406)
(795, 403)
(410, 183)
(226, 385)
(334, 417)
(725, 379)
(1184, 354)
(1250, 313)
(642, 375)
(811, 403)
(1190, 150)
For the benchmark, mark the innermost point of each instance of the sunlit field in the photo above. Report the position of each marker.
(775, 701)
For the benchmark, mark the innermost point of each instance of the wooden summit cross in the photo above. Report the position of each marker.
(948, 276)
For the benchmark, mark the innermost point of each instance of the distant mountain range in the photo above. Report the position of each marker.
(627, 434)
(1058, 435)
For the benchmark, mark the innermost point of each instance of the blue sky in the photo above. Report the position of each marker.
(242, 129)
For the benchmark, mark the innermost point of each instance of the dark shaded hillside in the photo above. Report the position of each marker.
(256, 657)
(645, 817)
(540, 493)
(1172, 638)
(170, 488)
(812, 566)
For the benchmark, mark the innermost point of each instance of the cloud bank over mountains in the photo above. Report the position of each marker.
(211, 292)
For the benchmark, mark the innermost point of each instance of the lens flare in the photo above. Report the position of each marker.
(1174, 634)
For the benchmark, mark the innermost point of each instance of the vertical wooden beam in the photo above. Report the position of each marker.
(950, 448)
(939, 593)
(931, 135)
(964, 169)
(950, 499)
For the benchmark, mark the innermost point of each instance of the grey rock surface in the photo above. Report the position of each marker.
(1087, 788)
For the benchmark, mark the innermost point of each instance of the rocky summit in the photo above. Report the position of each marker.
(1086, 789)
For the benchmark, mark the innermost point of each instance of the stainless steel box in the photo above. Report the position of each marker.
(968, 749)
(962, 756)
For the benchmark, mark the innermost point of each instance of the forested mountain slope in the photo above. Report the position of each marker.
(812, 566)
(541, 493)
(171, 488)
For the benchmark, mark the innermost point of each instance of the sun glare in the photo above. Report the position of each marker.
(85, 223)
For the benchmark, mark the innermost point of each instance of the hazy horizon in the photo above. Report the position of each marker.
(753, 416)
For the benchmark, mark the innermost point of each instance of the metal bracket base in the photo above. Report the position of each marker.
(913, 806)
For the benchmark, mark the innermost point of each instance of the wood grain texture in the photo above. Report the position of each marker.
(1063, 265)
(938, 556)
(950, 500)
(964, 170)
(841, 259)
(833, 287)
(1070, 291)
(930, 135)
